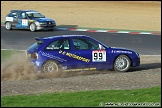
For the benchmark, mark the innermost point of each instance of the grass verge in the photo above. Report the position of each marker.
(7, 53)
(151, 97)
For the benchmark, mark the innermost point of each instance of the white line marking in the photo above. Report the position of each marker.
(122, 32)
(13, 49)
(62, 28)
(150, 55)
(144, 33)
(101, 30)
(81, 29)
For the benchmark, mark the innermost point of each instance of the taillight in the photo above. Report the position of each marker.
(34, 55)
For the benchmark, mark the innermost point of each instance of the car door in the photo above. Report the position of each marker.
(58, 50)
(22, 20)
(90, 56)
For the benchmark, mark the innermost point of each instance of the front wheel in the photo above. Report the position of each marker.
(32, 27)
(8, 26)
(122, 63)
(50, 29)
(50, 66)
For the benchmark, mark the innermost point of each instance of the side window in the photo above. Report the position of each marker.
(30, 15)
(85, 44)
(14, 14)
(62, 44)
(36, 15)
(22, 15)
(95, 45)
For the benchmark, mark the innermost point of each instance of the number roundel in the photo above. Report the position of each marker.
(99, 56)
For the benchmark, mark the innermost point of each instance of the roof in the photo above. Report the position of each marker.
(23, 11)
(66, 36)
(60, 36)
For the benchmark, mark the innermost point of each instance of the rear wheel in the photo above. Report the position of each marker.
(122, 63)
(8, 26)
(32, 27)
(51, 66)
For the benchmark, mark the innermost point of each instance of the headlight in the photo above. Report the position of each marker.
(137, 54)
(37, 23)
(53, 22)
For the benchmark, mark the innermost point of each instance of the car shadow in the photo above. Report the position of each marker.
(147, 66)
(27, 30)
(67, 26)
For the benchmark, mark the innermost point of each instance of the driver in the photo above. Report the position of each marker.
(23, 15)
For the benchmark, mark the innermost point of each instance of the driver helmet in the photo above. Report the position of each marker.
(23, 15)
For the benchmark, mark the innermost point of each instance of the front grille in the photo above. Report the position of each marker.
(49, 23)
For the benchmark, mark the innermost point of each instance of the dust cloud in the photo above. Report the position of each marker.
(17, 67)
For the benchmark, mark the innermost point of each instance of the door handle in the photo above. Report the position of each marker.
(77, 53)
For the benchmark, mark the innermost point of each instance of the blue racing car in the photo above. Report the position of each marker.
(28, 19)
(79, 53)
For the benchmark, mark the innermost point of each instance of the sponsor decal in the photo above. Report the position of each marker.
(79, 69)
(52, 56)
(9, 19)
(64, 67)
(21, 24)
(37, 63)
(120, 51)
(31, 20)
(74, 56)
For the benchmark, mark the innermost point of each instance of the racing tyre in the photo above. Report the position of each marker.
(32, 27)
(50, 29)
(8, 26)
(50, 66)
(122, 63)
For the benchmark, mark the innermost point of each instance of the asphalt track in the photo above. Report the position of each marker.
(144, 44)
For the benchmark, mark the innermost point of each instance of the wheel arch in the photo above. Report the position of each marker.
(120, 55)
(30, 24)
(8, 21)
(51, 60)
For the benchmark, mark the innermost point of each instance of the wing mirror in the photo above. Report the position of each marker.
(100, 47)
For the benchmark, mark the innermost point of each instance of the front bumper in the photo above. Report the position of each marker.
(46, 27)
(135, 62)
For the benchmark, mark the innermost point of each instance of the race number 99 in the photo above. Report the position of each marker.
(99, 56)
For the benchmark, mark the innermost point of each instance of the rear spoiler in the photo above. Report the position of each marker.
(39, 39)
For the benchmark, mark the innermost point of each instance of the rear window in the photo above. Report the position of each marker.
(35, 45)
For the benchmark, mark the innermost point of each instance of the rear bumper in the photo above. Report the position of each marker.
(36, 63)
